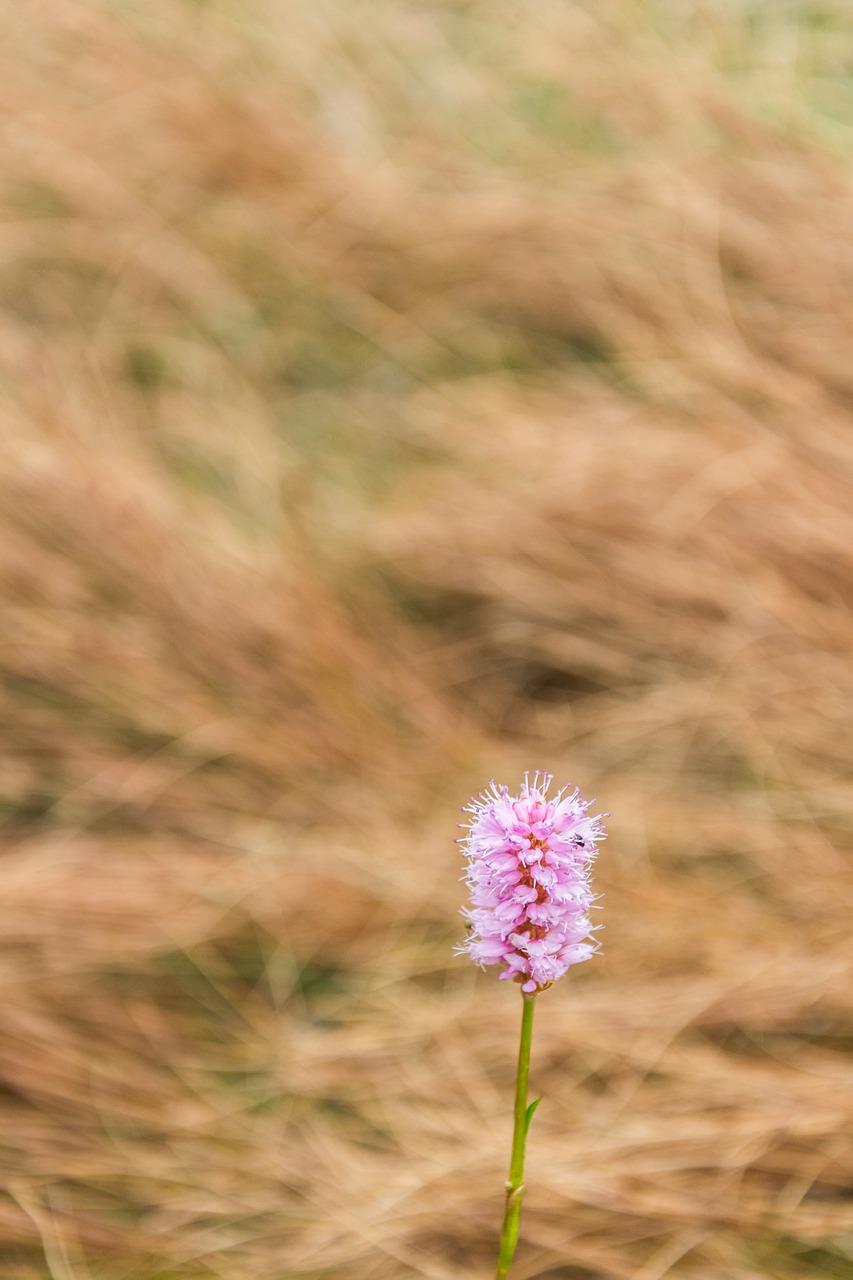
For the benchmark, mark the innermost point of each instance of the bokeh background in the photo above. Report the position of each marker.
(397, 395)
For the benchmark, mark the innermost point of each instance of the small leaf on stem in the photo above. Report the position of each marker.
(528, 1115)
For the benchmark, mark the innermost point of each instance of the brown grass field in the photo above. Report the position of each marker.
(396, 396)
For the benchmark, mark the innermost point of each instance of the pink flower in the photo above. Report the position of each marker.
(528, 872)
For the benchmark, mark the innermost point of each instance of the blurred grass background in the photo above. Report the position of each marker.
(396, 396)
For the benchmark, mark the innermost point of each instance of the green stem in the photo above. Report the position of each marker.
(523, 1116)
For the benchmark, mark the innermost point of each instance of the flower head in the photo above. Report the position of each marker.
(528, 872)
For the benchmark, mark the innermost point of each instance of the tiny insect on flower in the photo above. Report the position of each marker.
(528, 867)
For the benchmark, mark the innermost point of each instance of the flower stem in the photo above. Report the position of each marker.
(523, 1116)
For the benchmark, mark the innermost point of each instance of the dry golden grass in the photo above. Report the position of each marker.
(393, 396)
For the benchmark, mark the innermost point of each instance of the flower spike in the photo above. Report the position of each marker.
(528, 861)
